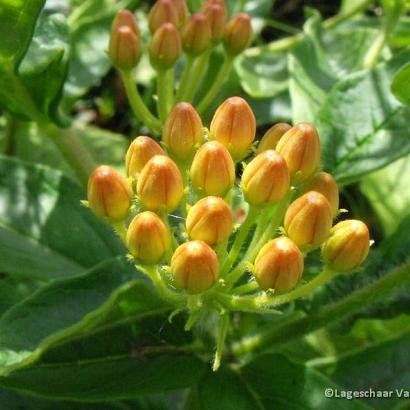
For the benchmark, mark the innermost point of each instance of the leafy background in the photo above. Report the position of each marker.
(80, 328)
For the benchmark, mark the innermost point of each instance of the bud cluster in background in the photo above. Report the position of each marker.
(177, 212)
(177, 37)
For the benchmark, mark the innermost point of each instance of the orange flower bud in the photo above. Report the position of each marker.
(160, 186)
(124, 48)
(163, 11)
(308, 220)
(165, 47)
(210, 220)
(216, 15)
(196, 35)
(238, 34)
(212, 170)
(109, 194)
(300, 146)
(194, 267)
(234, 126)
(279, 265)
(272, 136)
(148, 238)
(182, 11)
(125, 18)
(183, 132)
(347, 246)
(326, 185)
(140, 151)
(265, 179)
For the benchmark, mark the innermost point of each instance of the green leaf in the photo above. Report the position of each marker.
(401, 85)
(362, 126)
(19, 18)
(382, 367)
(269, 382)
(387, 190)
(44, 231)
(33, 88)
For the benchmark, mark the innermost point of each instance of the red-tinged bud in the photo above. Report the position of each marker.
(326, 185)
(210, 220)
(126, 18)
(196, 35)
(140, 151)
(234, 126)
(182, 11)
(216, 15)
(160, 186)
(308, 220)
(279, 265)
(300, 146)
(148, 238)
(238, 34)
(212, 170)
(108, 194)
(163, 11)
(272, 136)
(347, 246)
(124, 48)
(265, 179)
(165, 47)
(183, 132)
(194, 267)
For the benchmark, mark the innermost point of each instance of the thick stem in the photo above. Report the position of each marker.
(374, 51)
(220, 344)
(216, 86)
(193, 84)
(165, 92)
(185, 77)
(137, 104)
(246, 288)
(121, 231)
(10, 135)
(377, 291)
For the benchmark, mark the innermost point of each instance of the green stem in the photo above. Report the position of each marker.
(165, 84)
(374, 51)
(121, 231)
(220, 344)
(193, 84)
(235, 275)
(239, 240)
(185, 77)
(137, 104)
(377, 291)
(216, 86)
(246, 288)
(10, 135)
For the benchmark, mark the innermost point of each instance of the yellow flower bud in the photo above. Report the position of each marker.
(265, 179)
(300, 146)
(347, 246)
(272, 136)
(165, 47)
(160, 186)
(194, 267)
(196, 35)
(326, 185)
(308, 220)
(163, 11)
(279, 265)
(125, 18)
(216, 15)
(210, 220)
(140, 151)
(148, 238)
(124, 48)
(183, 132)
(212, 170)
(234, 126)
(108, 194)
(238, 34)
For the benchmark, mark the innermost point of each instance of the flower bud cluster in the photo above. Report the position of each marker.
(191, 173)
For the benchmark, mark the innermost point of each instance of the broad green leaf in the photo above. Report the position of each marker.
(17, 17)
(45, 233)
(361, 124)
(387, 190)
(262, 72)
(269, 382)
(382, 367)
(401, 85)
(32, 89)
(271, 110)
